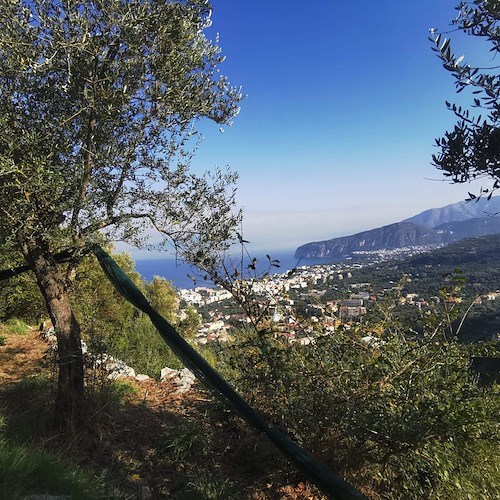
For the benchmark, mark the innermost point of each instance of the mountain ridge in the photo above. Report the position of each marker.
(460, 211)
(455, 222)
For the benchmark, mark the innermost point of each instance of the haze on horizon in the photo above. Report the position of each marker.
(344, 101)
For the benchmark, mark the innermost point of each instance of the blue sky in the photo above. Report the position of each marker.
(344, 100)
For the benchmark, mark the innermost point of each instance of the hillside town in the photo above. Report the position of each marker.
(327, 295)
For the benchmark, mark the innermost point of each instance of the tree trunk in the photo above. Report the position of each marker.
(54, 288)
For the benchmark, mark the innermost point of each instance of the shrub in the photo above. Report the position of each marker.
(396, 412)
(142, 347)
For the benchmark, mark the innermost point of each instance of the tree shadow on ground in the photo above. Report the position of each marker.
(144, 438)
(140, 435)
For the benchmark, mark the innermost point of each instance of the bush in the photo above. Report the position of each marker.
(21, 298)
(142, 347)
(397, 413)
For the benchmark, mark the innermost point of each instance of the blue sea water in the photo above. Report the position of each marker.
(178, 272)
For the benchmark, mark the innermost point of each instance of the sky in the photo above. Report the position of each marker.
(343, 102)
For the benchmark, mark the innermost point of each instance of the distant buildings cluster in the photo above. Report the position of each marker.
(309, 283)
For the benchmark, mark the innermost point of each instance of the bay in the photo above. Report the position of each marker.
(178, 272)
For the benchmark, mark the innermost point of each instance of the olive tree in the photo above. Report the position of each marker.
(472, 149)
(98, 103)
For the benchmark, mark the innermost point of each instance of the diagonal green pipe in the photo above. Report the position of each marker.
(329, 482)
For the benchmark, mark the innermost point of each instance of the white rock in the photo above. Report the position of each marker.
(141, 377)
(187, 374)
(182, 379)
(167, 373)
(119, 367)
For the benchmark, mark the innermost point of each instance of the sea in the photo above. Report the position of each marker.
(186, 276)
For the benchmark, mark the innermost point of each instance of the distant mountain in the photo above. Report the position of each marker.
(400, 234)
(456, 231)
(460, 211)
(437, 226)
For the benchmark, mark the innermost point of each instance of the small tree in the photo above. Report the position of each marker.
(97, 105)
(164, 299)
(472, 149)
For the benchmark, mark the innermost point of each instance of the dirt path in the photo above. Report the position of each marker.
(21, 356)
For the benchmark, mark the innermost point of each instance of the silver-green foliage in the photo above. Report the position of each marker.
(472, 148)
(98, 104)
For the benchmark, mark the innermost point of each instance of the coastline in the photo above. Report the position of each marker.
(178, 272)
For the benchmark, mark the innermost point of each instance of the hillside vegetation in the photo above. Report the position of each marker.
(475, 260)
(392, 409)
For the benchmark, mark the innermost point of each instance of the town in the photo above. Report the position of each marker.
(327, 296)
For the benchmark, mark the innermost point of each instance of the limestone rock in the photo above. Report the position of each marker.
(182, 379)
